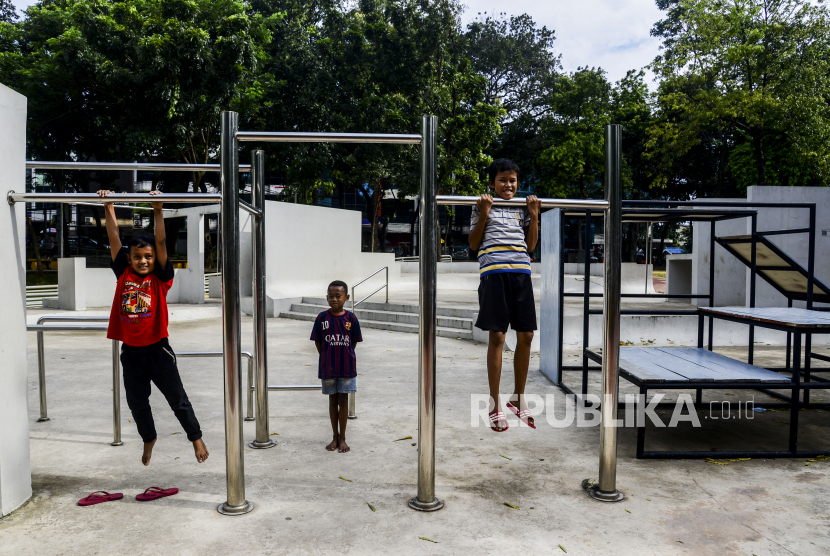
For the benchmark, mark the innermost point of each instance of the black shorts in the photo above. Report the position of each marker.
(506, 299)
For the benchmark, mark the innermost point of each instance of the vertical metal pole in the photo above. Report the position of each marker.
(116, 395)
(647, 253)
(352, 401)
(231, 321)
(606, 489)
(711, 279)
(41, 377)
(811, 267)
(260, 355)
(753, 271)
(428, 268)
(586, 306)
(249, 414)
(387, 284)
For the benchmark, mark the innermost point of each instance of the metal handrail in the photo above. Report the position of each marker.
(325, 137)
(140, 166)
(40, 328)
(386, 285)
(70, 198)
(415, 259)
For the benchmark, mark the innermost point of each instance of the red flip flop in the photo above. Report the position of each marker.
(523, 415)
(154, 493)
(98, 497)
(495, 417)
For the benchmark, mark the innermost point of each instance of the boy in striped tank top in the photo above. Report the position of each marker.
(335, 333)
(504, 237)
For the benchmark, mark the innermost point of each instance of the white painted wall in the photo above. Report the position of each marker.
(94, 287)
(15, 467)
(307, 247)
(190, 281)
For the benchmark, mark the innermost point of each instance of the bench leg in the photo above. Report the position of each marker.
(794, 398)
(641, 422)
(807, 363)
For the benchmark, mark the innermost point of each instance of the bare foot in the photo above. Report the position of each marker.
(201, 450)
(148, 451)
(333, 446)
(343, 447)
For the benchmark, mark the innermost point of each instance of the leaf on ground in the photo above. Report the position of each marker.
(472, 358)
(428, 539)
(784, 422)
(563, 548)
(172, 433)
(511, 506)
(371, 507)
(176, 457)
(626, 509)
(404, 438)
(345, 479)
(274, 434)
(388, 407)
(505, 457)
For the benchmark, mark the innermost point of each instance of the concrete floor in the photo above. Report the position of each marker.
(762, 507)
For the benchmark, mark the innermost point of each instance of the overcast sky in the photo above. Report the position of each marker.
(611, 34)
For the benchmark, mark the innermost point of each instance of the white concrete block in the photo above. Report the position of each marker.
(71, 284)
(15, 466)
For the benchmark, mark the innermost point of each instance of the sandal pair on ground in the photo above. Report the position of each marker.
(496, 416)
(152, 493)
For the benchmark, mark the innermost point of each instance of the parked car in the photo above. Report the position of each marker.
(87, 246)
(460, 252)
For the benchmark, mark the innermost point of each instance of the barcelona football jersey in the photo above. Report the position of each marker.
(338, 334)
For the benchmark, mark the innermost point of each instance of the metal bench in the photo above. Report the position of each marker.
(698, 368)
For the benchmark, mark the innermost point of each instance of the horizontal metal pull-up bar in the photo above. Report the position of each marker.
(303, 137)
(192, 198)
(140, 166)
(592, 204)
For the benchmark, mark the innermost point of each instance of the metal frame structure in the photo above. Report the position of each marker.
(606, 489)
(664, 211)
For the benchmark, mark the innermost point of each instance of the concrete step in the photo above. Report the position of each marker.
(385, 325)
(387, 316)
(454, 312)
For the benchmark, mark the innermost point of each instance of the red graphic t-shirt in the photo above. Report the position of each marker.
(139, 309)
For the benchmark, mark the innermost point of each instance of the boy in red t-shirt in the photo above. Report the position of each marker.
(139, 321)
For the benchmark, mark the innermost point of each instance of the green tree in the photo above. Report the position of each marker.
(750, 77)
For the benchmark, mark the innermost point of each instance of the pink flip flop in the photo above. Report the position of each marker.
(523, 414)
(98, 497)
(154, 493)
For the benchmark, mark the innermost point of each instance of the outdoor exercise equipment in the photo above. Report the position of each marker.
(606, 489)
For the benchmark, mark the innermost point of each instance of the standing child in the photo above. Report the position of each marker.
(139, 321)
(335, 333)
(504, 237)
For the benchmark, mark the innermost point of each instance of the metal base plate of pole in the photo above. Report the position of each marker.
(594, 492)
(225, 509)
(416, 504)
(262, 445)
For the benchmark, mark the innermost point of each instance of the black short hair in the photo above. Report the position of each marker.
(141, 240)
(502, 165)
(339, 284)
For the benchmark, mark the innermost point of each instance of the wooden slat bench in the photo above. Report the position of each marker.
(698, 369)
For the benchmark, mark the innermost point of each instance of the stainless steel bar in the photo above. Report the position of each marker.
(355, 304)
(294, 387)
(66, 327)
(387, 285)
(648, 253)
(245, 206)
(123, 207)
(606, 490)
(249, 413)
(41, 377)
(352, 401)
(72, 318)
(141, 166)
(231, 320)
(428, 269)
(263, 435)
(191, 198)
(116, 395)
(307, 137)
(593, 204)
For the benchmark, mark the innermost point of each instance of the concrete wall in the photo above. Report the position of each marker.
(731, 276)
(308, 247)
(795, 245)
(15, 468)
(730, 273)
(80, 287)
(679, 275)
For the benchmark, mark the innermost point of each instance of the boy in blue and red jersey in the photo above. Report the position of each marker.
(335, 333)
